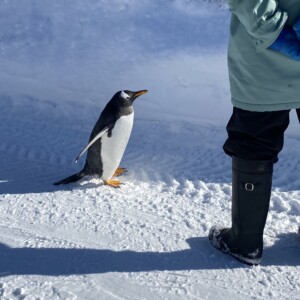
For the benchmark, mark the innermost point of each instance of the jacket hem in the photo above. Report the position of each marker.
(264, 107)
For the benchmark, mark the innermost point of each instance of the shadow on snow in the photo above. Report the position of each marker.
(200, 256)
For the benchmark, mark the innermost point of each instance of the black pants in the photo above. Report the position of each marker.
(256, 135)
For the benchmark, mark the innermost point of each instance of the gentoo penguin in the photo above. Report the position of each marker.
(108, 140)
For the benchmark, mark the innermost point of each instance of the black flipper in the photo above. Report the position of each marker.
(72, 178)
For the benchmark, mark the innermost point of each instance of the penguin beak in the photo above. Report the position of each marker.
(139, 93)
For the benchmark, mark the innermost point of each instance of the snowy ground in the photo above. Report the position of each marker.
(148, 239)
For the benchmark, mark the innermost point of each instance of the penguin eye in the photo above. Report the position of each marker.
(125, 96)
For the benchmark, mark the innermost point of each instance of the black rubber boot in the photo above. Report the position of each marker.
(251, 192)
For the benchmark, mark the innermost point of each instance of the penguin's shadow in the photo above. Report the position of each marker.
(40, 148)
(18, 186)
(36, 179)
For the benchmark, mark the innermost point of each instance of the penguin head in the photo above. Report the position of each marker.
(127, 98)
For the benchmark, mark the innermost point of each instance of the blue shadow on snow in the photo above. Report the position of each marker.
(61, 261)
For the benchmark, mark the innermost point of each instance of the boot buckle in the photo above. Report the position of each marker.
(249, 187)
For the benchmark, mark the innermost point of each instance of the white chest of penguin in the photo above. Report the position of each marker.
(113, 147)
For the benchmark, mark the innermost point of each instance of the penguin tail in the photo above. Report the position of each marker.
(72, 178)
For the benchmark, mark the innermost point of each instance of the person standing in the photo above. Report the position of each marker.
(264, 75)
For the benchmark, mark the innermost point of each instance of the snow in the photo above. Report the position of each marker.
(61, 61)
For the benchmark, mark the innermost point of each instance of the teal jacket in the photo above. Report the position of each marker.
(262, 79)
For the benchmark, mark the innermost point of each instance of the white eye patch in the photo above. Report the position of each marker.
(124, 95)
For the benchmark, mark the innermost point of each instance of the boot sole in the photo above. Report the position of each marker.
(219, 244)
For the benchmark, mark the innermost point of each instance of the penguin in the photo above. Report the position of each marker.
(108, 140)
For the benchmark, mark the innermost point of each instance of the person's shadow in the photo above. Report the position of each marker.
(55, 261)
(199, 256)
(285, 251)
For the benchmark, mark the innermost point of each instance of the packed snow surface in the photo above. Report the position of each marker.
(61, 61)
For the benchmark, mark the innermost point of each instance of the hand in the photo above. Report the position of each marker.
(288, 42)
